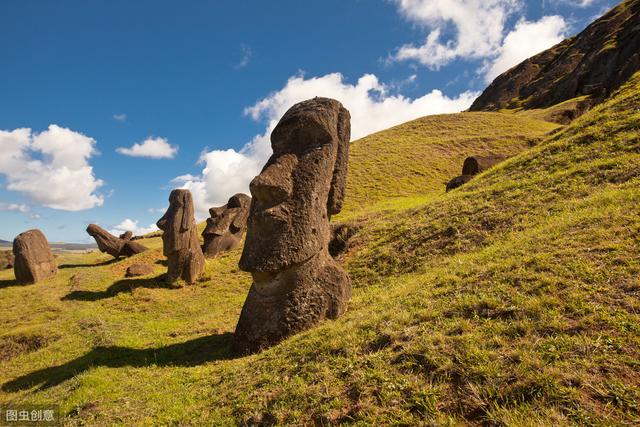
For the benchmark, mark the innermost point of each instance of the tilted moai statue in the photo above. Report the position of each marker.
(226, 226)
(117, 247)
(296, 283)
(33, 258)
(180, 238)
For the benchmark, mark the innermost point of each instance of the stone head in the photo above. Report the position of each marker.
(178, 222)
(230, 218)
(299, 188)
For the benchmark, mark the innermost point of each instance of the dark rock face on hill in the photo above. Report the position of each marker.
(594, 63)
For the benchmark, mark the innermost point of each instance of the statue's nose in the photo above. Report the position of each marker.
(275, 184)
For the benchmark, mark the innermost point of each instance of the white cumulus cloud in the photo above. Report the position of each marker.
(369, 101)
(120, 117)
(526, 40)
(14, 207)
(51, 168)
(132, 225)
(152, 147)
(457, 29)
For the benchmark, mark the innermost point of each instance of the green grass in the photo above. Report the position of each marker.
(419, 157)
(513, 300)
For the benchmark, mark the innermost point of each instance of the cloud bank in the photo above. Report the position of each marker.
(477, 26)
(153, 148)
(373, 108)
(526, 40)
(132, 225)
(51, 168)
(477, 30)
(13, 207)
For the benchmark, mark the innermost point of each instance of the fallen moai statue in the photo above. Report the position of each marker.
(117, 247)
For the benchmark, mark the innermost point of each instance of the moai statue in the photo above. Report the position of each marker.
(296, 283)
(117, 247)
(180, 238)
(226, 226)
(33, 258)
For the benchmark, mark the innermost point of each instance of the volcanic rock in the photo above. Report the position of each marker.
(180, 238)
(33, 258)
(296, 283)
(226, 226)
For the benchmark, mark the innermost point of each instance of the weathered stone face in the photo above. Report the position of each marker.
(114, 246)
(301, 185)
(33, 258)
(180, 238)
(226, 226)
(296, 284)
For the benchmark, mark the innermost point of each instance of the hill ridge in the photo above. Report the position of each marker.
(592, 64)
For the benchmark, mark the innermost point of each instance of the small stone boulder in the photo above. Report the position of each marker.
(136, 270)
(33, 258)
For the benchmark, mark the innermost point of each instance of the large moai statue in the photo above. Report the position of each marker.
(226, 226)
(33, 258)
(117, 247)
(296, 283)
(180, 238)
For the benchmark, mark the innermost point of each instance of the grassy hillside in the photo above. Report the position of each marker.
(417, 158)
(510, 301)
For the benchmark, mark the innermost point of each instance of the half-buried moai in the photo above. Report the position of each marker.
(180, 239)
(117, 247)
(473, 165)
(296, 283)
(33, 258)
(226, 226)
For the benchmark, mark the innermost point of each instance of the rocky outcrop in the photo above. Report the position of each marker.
(34, 260)
(594, 64)
(296, 283)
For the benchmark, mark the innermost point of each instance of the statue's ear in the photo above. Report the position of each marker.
(339, 180)
(187, 212)
(240, 220)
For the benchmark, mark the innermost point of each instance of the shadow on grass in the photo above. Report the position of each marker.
(99, 264)
(10, 282)
(125, 285)
(190, 353)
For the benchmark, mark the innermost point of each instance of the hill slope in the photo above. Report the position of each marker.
(417, 158)
(512, 301)
(592, 64)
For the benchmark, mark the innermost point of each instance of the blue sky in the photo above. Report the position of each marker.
(198, 86)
